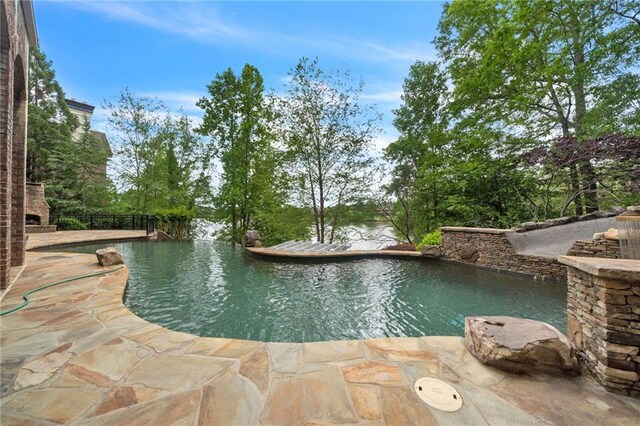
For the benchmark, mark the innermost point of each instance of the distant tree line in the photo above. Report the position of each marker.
(531, 112)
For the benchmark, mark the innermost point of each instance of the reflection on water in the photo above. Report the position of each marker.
(215, 289)
(371, 236)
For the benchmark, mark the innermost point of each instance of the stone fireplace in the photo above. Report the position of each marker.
(36, 210)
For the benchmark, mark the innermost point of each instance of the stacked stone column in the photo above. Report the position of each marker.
(603, 309)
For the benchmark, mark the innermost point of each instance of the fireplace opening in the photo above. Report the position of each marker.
(32, 219)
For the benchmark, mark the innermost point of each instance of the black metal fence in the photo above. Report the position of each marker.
(143, 222)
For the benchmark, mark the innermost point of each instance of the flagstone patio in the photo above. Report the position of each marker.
(49, 239)
(77, 355)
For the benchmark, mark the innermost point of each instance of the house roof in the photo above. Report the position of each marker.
(80, 106)
(30, 21)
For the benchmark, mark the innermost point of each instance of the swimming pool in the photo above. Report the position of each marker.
(214, 289)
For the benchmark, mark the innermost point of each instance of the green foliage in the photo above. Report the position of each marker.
(419, 156)
(175, 221)
(50, 122)
(283, 223)
(236, 118)
(160, 163)
(51, 152)
(327, 134)
(542, 69)
(71, 224)
(360, 212)
(430, 239)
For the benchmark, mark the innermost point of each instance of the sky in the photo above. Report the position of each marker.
(172, 50)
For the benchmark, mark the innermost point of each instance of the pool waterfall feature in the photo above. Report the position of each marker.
(214, 289)
(629, 232)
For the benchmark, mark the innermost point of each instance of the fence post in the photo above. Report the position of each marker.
(91, 221)
(133, 222)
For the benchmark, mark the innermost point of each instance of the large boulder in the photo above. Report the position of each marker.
(250, 238)
(519, 345)
(109, 256)
(611, 234)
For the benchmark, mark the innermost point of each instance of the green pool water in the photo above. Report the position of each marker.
(214, 289)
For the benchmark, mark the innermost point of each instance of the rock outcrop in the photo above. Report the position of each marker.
(519, 345)
(431, 251)
(109, 256)
(611, 234)
(250, 239)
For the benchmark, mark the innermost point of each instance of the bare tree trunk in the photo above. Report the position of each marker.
(589, 186)
(575, 186)
(234, 225)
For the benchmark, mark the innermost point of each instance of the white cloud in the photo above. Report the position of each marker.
(177, 100)
(391, 96)
(196, 21)
(204, 23)
(383, 140)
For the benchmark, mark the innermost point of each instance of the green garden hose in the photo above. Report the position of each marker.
(26, 295)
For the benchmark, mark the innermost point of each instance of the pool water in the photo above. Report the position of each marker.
(214, 289)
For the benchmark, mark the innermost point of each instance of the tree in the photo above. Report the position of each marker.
(50, 147)
(136, 124)
(160, 163)
(236, 117)
(327, 134)
(89, 155)
(533, 67)
(418, 154)
(186, 160)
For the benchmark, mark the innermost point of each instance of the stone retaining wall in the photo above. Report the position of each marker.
(40, 229)
(530, 226)
(603, 316)
(596, 248)
(491, 248)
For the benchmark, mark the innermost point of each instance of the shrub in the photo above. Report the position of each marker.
(430, 239)
(176, 221)
(71, 224)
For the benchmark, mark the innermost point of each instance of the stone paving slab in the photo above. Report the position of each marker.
(76, 355)
(72, 237)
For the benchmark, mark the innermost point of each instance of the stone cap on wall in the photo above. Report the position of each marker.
(619, 269)
(476, 230)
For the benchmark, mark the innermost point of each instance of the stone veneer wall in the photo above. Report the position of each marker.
(36, 203)
(603, 315)
(596, 248)
(40, 229)
(491, 248)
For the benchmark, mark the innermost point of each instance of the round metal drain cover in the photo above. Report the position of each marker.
(438, 394)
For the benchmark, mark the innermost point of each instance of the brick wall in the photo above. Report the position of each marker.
(491, 248)
(596, 248)
(603, 317)
(19, 166)
(14, 47)
(6, 131)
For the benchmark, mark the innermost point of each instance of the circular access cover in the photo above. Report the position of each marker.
(438, 394)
